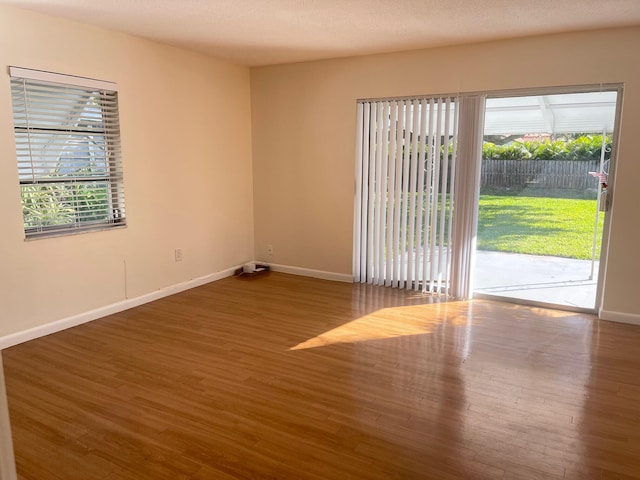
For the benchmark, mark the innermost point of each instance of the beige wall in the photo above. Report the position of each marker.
(185, 127)
(187, 158)
(303, 118)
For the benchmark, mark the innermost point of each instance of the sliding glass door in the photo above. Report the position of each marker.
(405, 170)
(417, 171)
(544, 187)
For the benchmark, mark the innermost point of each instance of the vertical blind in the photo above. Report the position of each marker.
(467, 195)
(405, 166)
(67, 137)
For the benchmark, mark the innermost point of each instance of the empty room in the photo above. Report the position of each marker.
(319, 240)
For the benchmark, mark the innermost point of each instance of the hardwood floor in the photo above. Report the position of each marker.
(294, 378)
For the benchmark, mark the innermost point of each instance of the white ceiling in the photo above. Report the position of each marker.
(592, 112)
(263, 32)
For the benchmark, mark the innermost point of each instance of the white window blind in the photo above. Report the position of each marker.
(467, 195)
(405, 165)
(67, 138)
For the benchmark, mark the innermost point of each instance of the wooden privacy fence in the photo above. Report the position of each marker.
(539, 173)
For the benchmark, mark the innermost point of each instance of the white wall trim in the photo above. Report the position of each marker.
(7, 460)
(308, 272)
(632, 318)
(58, 325)
(74, 320)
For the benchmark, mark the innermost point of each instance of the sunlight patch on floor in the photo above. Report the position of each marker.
(391, 323)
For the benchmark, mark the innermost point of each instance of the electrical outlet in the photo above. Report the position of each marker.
(269, 249)
(178, 254)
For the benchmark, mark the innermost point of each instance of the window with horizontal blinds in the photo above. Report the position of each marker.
(405, 170)
(67, 137)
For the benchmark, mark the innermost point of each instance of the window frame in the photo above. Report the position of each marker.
(103, 170)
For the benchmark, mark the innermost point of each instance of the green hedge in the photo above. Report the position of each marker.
(585, 147)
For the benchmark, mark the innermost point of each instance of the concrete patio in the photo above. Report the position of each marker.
(552, 280)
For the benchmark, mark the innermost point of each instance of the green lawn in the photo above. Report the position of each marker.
(560, 227)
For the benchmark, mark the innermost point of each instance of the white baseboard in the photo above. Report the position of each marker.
(308, 272)
(58, 325)
(633, 319)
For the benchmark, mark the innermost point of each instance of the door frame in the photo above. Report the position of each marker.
(7, 458)
(604, 249)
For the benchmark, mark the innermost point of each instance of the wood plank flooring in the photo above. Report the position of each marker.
(288, 377)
